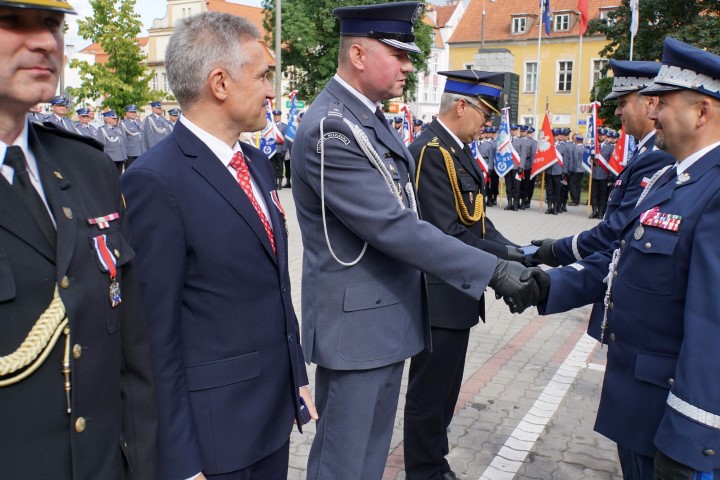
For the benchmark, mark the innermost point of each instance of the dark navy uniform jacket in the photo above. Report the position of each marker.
(112, 426)
(448, 307)
(662, 383)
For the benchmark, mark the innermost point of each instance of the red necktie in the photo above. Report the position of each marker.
(243, 177)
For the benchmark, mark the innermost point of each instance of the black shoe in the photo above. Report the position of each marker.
(522, 206)
(563, 208)
(508, 207)
(287, 185)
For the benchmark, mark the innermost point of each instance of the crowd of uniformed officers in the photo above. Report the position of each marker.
(123, 140)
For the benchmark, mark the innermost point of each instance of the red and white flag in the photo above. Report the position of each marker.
(546, 154)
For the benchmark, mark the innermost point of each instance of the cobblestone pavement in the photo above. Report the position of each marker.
(530, 388)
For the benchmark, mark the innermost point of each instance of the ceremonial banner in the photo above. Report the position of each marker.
(407, 133)
(620, 155)
(591, 148)
(546, 155)
(479, 158)
(292, 124)
(269, 133)
(506, 157)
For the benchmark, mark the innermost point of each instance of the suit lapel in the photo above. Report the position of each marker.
(15, 218)
(56, 188)
(207, 165)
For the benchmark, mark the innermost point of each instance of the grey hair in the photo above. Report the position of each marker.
(447, 100)
(202, 43)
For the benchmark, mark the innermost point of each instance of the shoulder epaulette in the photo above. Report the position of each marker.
(52, 129)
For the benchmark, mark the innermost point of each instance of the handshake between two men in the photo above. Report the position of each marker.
(518, 282)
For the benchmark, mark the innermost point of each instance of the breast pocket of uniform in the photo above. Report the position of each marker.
(111, 252)
(468, 187)
(7, 281)
(654, 271)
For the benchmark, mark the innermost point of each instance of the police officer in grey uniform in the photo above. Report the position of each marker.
(59, 106)
(512, 178)
(156, 126)
(83, 125)
(363, 300)
(35, 114)
(577, 171)
(174, 114)
(280, 148)
(132, 128)
(599, 195)
(113, 138)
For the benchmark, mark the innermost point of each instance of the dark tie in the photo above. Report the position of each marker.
(382, 119)
(15, 158)
(670, 174)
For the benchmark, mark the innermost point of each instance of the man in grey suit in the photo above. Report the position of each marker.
(363, 293)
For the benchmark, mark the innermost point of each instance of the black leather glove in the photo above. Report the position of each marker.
(541, 278)
(545, 254)
(514, 254)
(518, 295)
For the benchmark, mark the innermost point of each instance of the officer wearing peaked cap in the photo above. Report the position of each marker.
(59, 106)
(155, 125)
(112, 136)
(83, 125)
(660, 394)
(450, 188)
(76, 390)
(365, 248)
(132, 128)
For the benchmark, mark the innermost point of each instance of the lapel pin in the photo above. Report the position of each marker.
(68, 212)
(58, 175)
(682, 178)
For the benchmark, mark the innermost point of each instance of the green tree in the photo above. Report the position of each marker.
(310, 37)
(125, 78)
(694, 22)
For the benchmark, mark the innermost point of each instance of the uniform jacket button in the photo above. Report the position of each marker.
(466, 285)
(80, 424)
(77, 351)
(612, 337)
(648, 245)
(65, 282)
(709, 452)
(671, 381)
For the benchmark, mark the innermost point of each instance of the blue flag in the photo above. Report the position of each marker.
(267, 140)
(589, 153)
(504, 161)
(545, 6)
(292, 125)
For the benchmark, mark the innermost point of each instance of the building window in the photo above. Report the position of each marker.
(598, 70)
(564, 76)
(562, 22)
(469, 66)
(527, 120)
(164, 83)
(432, 65)
(604, 17)
(530, 77)
(519, 25)
(155, 82)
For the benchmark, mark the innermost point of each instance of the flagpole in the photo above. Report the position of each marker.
(632, 41)
(579, 84)
(542, 189)
(537, 75)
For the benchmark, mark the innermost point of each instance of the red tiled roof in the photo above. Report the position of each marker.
(444, 13)
(254, 14)
(498, 19)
